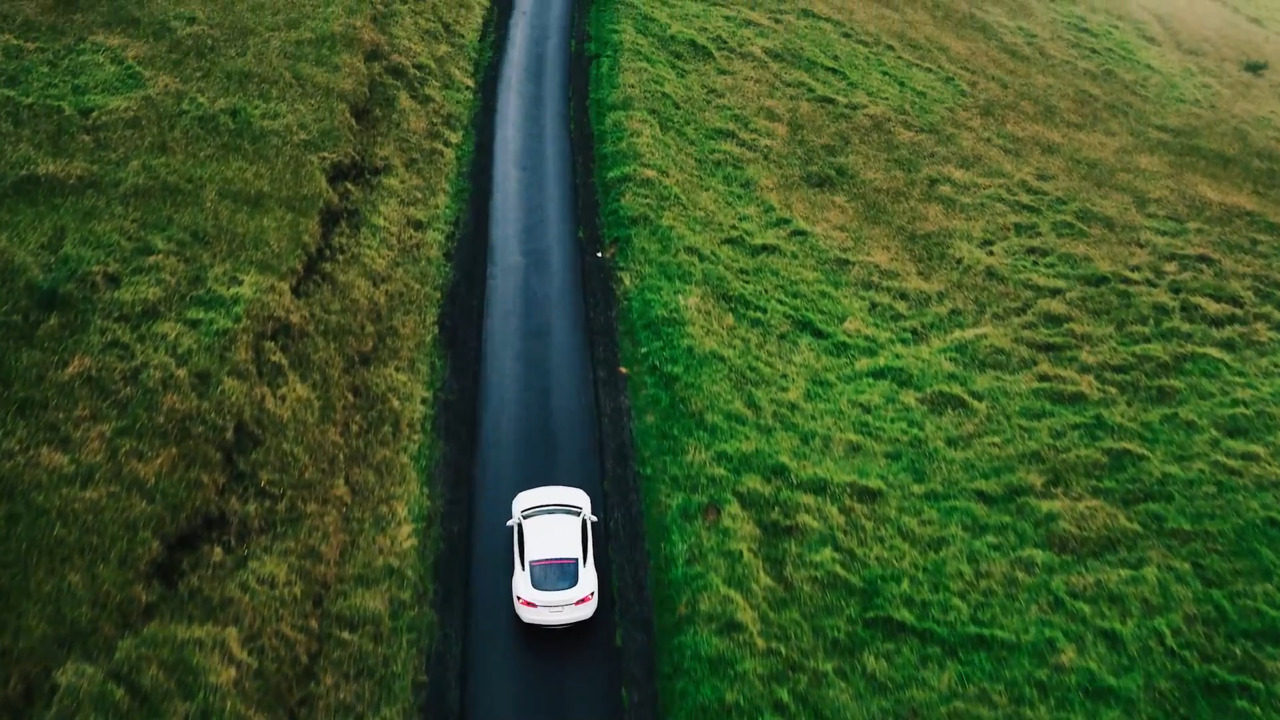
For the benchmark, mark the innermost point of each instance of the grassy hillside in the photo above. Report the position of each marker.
(221, 239)
(953, 335)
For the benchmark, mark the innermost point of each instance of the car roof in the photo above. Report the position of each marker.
(550, 495)
(553, 536)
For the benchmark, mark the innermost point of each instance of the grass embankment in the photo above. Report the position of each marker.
(222, 238)
(951, 330)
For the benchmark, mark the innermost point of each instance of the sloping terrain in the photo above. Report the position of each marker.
(952, 336)
(222, 239)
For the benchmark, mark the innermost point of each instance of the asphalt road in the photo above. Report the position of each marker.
(537, 410)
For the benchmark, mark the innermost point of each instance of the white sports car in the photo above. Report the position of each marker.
(554, 583)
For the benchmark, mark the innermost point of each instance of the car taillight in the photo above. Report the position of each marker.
(524, 602)
(586, 599)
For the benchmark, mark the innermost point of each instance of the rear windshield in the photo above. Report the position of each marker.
(552, 511)
(553, 574)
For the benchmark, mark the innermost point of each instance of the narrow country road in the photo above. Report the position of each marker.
(537, 409)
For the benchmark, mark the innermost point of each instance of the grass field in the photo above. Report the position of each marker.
(952, 337)
(222, 229)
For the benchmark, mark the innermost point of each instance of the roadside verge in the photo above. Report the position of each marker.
(624, 513)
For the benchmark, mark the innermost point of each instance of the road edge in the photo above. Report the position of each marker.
(624, 514)
(455, 420)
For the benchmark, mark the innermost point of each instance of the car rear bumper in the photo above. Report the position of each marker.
(556, 617)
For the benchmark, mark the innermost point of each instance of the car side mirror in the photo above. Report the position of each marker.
(593, 518)
(511, 522)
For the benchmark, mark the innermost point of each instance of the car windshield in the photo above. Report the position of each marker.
(552, 511)
(553, 574)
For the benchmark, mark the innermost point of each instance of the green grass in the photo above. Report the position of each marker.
(222, 236)
(952, 336)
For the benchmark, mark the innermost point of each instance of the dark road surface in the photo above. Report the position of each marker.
(537, 410)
